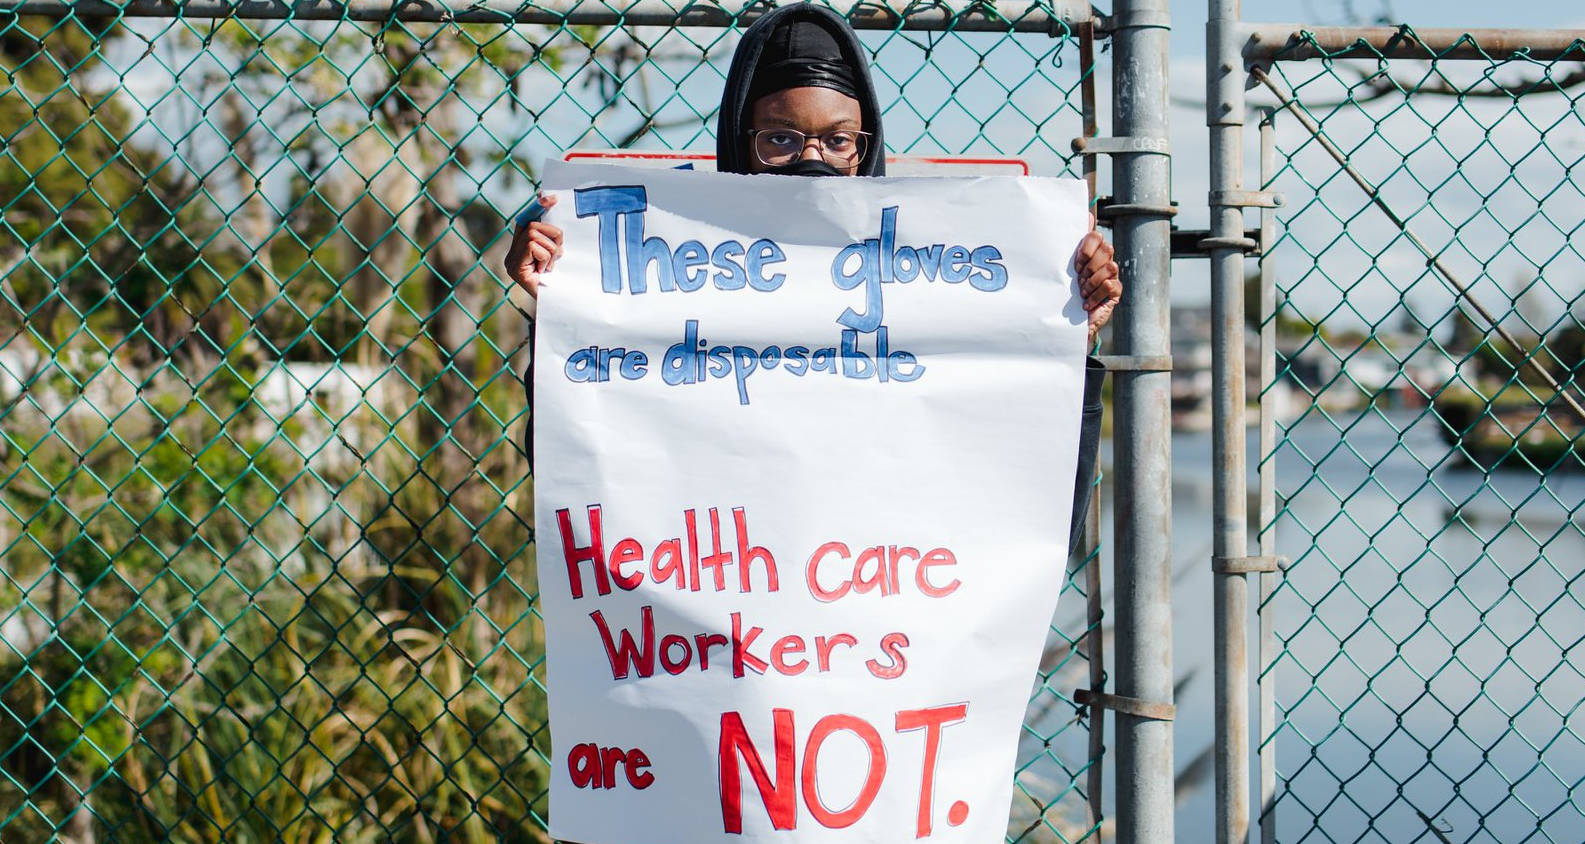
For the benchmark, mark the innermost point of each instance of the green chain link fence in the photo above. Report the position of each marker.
(1428, 476)
(265, 515)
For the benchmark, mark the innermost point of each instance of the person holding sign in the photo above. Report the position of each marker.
(779, 617)
(799, 101)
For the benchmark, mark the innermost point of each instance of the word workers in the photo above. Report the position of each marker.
(695, 561)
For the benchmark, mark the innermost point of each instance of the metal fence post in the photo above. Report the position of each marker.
(1224, 115)
(1267, 719)
(1143, 565)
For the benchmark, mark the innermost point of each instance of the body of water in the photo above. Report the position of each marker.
(1425, 626)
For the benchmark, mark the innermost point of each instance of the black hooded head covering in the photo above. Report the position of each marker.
(795, 46)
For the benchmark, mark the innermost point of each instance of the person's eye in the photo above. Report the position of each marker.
(840, 141)
(783, 140)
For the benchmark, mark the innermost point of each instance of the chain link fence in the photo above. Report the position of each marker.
(264, 510)
(1428, 340)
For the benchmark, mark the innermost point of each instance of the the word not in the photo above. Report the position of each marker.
(779, 787)
(592, 766)
(678, 559)
(626, 254)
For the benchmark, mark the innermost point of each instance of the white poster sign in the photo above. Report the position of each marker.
(805, 451)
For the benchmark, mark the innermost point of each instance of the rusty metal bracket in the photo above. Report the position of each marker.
(1186, 242)
(1246, 199)
(1133, 209)
(1136, 363)
(1149, 709)
(1241, 244)
(1246, 565)
(1122, 146)
(1106, 210)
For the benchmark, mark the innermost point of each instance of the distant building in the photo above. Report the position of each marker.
(1192, 357)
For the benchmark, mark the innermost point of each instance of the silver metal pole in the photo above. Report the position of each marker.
(1268, 485)
(1225, 78)
(1143, 561)
(959, 16)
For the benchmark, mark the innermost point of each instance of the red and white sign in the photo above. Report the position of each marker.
(804, 456)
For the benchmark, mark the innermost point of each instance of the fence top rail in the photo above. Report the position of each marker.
(1272, 42)
(1050, 16)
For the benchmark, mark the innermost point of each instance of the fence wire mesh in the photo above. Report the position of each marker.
(1428, 478)
(264, 510)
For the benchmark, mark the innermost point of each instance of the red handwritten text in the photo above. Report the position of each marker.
(593, 766)
(777, 784)
(678, 559)
(875, 568)
(788, 655)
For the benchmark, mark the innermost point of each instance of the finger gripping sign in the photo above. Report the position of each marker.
(805, 453)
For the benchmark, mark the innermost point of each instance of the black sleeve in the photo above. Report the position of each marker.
(1089, 448)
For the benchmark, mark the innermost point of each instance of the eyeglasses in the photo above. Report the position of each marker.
(841, 148)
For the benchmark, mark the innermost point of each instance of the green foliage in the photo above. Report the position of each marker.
(238, 601)
(229, 669)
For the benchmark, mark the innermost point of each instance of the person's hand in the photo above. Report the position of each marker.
(535, 248)
(1099, 283)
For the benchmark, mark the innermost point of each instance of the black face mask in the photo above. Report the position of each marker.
(806, 167)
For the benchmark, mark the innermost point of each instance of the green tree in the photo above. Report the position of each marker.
(245, 621)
